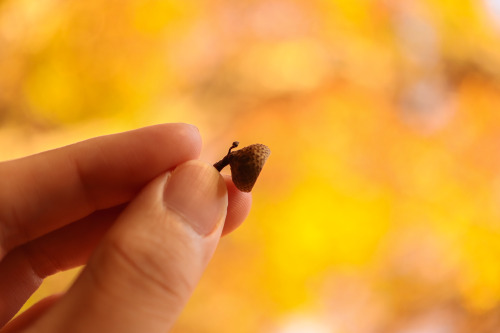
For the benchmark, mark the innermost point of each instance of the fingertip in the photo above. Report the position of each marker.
(239, 206)
(192, 134)
(197, 192)
(180, 137)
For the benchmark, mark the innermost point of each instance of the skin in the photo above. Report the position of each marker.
(137, 208)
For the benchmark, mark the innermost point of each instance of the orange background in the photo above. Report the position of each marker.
(379, 208)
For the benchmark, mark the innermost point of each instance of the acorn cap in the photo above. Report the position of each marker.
(246, 165)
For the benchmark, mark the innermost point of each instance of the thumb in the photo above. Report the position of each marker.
(147, 266)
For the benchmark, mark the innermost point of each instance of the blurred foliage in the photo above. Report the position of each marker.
(379, 209)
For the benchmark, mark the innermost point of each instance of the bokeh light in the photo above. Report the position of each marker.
(379, 208)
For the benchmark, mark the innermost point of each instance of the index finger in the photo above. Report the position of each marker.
(46, 191)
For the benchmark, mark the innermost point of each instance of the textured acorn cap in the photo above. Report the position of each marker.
(246, 165)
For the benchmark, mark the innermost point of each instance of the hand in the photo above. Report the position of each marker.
(145, 232)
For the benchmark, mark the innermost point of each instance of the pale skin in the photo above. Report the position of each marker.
(137, 208)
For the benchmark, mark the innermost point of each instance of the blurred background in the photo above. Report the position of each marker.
(379, 208)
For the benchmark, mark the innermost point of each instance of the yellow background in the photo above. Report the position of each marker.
(379, 208)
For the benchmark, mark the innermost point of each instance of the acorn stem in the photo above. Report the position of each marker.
(225, 161)
(222, 163)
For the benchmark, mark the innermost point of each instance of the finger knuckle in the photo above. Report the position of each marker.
(148, 262)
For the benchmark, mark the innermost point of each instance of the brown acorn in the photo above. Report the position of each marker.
(245, 164)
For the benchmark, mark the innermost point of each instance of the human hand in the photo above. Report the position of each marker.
(145, 233)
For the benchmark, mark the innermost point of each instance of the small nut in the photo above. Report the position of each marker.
(246, 164)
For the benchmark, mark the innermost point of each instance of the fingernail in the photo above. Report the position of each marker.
(197, 192)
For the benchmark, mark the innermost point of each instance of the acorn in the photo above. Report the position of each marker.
(246, 164)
